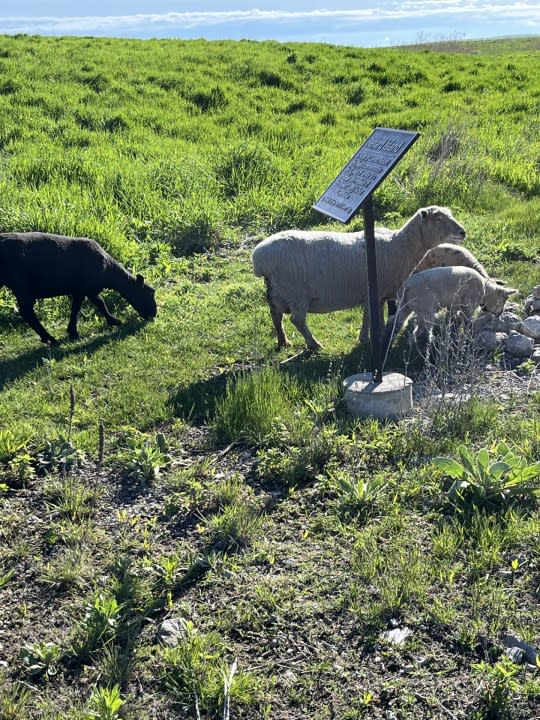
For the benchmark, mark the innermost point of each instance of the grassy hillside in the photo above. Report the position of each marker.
(170, 469)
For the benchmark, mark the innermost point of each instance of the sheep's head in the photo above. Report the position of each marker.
(143, 299)
(440, 225)
(495, 297)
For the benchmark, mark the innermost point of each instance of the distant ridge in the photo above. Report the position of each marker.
(488, 46)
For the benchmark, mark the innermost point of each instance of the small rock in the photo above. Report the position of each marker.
(396, 636)
(3, 664)
(535, 292)
(510, 362)
(531, 305)
(530, 653)
(172, 632)
(531, 327)
(516, 654)
(512, 307)
(518, 344)
(486, 322)
(490, 341)
(290, 676)
(535, 357)
(510, 321)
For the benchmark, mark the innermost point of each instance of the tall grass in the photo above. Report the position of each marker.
(252, 405)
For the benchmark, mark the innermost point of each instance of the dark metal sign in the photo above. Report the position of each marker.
(364, 172)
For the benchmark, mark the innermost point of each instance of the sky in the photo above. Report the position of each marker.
(365, 23)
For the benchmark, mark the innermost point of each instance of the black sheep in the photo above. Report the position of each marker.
(38, 265)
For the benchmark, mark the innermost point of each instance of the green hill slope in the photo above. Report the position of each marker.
(175, 469)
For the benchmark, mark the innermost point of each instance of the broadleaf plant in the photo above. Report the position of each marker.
(484, 481)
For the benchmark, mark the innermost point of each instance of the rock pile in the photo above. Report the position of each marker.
(517, 335)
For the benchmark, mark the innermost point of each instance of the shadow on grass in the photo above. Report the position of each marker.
(196, 403)
(17, 367)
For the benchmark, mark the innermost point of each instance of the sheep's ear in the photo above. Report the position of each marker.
(424, 213)
(509, 291)
(498, 281)
(140, 279)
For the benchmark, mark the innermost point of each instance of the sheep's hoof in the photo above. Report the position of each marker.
(49, 340)
(114, 321)
(73, 335)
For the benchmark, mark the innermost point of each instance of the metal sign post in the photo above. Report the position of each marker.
(352, 189)
(373, 290)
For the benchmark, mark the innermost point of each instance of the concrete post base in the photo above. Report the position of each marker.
(391, 398)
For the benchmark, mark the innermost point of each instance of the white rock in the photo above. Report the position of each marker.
(516, 654)
(531, 653)
(291, 676)
(531, 327)
(172, 632)
(536, 356)
(396, 636)
(535, 292)
(518, 344)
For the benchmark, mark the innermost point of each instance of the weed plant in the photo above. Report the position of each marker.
(198, 678)
(487, 482)
(13, 702)
(97, 627)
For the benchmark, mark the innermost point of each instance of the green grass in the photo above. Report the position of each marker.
(176, 468)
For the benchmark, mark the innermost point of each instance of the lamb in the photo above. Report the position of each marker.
(459, 289)
(319, 272)
(448, 255)
(39, 265)
(444, 255)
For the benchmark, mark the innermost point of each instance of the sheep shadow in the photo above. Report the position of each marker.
(17, 367)
(196, 402)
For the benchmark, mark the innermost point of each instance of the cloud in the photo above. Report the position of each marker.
(174, 23)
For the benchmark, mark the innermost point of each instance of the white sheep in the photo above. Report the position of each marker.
(459, 289)
(449, 255)
(319, 272)
(443, 255)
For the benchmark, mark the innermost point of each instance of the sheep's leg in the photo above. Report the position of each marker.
(26, 308)
(298, 319)
(277, 316)
(76, 302)
(277, 319)
(393, 326)
(423, 333)
(364, 330)
(99, 303)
